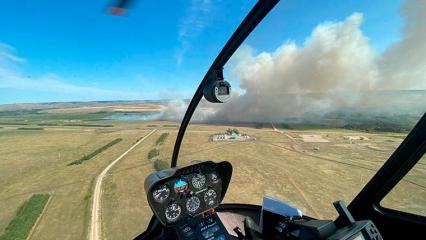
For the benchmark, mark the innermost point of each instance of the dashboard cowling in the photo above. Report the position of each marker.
(174, 179)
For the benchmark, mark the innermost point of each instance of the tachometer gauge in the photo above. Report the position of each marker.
(173, 212)
(210, 197)
(198, 181)
(161, 193)
(193, 204)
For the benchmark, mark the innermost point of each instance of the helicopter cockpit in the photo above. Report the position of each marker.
(186, 199)
(309, 123)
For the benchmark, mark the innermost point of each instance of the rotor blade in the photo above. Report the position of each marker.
(124, 3)
(120, 7)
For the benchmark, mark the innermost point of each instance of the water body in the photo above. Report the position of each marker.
(138, 116)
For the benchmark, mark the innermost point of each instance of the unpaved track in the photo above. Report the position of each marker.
(95, 226)
(282, 132)
(40, 217)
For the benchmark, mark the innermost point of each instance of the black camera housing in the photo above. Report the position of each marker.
(217, 90)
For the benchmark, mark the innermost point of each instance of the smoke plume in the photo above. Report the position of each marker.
(403, 65)
(176, 108)
(335, 69)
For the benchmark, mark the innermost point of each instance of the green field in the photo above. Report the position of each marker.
(20, 226)
(30, 128)
(96, 152)
(307, 167)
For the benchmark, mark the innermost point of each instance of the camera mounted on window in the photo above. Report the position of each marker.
(217, 90)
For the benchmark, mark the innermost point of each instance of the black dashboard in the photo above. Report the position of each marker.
(187, 191)
(183, 199)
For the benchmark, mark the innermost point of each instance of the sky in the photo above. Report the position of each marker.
(74, 51)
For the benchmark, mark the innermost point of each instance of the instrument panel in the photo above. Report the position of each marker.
(188, 194)
(187, 191)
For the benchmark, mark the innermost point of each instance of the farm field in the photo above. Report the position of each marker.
(307, 168)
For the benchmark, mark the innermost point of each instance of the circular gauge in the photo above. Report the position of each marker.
(193, 204)
(173, 212)
(198, 181)
(214, 178)
(161, 193)
(210, 197)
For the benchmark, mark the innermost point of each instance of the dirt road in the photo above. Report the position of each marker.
(95, 227)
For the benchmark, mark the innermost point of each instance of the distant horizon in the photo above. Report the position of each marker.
(90, 101)
(166, 100)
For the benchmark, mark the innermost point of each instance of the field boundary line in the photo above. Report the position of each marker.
(40, 217)
(95, 223)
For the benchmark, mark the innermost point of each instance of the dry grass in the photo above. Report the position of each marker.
(281, 165)
(35, 161)
(310, 175)
(125, 209)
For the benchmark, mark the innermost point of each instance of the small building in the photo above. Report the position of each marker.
(352, 138)
(231, 135)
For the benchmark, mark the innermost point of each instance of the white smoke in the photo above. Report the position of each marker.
(336, 57)
(403, 65)
(176, 108)
(325, 74)
(335, 69)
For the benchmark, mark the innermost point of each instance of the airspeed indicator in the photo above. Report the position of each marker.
(161, 193)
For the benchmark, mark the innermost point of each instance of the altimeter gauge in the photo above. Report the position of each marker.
(173, 212)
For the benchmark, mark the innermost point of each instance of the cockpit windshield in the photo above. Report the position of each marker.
(319, 103)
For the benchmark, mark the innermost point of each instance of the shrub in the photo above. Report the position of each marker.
(47, 124)
(87, 196)
(30, 128)
(153, 153)
(161, 139)
(10, 123)
(87, 125)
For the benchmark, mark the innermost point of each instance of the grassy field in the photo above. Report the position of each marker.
(310, 175)
(309, 168)
(36, 161)
(96, 152)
